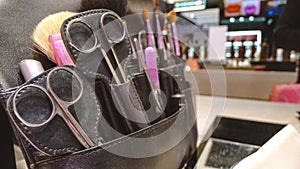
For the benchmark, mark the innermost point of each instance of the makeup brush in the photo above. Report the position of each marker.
(146, 17)
(155, 4)
(49, 26)
(165, 33)
(60, 52)
(172, 18)
(158, 28)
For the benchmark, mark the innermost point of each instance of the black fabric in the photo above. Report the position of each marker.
(287, 31)
(18, 20)
(7, 157)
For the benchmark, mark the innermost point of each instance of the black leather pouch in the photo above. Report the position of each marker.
(114, 116)
(172, 139)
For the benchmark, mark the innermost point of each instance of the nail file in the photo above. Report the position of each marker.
(151, 64)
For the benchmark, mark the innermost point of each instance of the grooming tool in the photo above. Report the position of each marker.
(133, 55)
(142, 39)
(158, 28)
(171, 37)
(143, 67)
(30, 68)
(172, 17)
(95, 44)
(48, 26)
(152, 75)
(112, 41)
(133, 65)
(160, 42)
(146, 17)
(139, 53)
(141, 47)
(166, 38)
(60, 52)
(59, 101)
(151, 64)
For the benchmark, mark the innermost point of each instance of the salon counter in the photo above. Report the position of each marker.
(242, 83)
(244, 109)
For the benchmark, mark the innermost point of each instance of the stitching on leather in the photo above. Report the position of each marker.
(42, 146)
(119, 142)
(76, 53)
(4, 94)
(66, 149)
(129, 54)
(98, 114)
(135, 94)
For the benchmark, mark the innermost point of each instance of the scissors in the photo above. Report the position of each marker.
(94, 43)
(54, 99)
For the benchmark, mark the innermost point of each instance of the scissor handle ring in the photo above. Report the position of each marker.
(78, 20)
(117, 17)
(16, 112)
(48, 85)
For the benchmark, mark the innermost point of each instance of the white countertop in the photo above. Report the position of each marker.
(254, 110)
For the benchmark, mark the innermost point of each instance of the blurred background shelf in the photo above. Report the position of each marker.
(248, 84)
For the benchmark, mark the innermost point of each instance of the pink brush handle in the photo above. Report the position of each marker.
(176, 43)
(150, 37)
(60, 52)
(63, 58)
(151, 64)
(52, 39)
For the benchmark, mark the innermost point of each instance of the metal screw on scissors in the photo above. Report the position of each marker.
(93, 48)
(59, 106)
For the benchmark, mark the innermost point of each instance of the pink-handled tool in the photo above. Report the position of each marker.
(60, 52)
(172, 17)
(151, 64)
(150, 33)
(152, 75)
(159, 33)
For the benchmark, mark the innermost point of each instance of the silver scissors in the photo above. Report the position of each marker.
(94, 43)
(54, 99)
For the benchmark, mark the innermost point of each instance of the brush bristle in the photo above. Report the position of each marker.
(48, 26)
(157, 11)
(172, 16)
(155, 4)
(145, 14)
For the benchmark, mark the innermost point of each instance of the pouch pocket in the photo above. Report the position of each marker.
(176, 146)
(167, 144)
(38, 117)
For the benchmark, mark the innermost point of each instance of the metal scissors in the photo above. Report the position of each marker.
(92, 43)
(35, 105)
